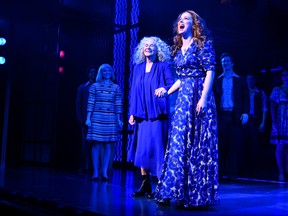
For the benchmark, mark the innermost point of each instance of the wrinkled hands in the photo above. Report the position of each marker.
(161, 92)
(244, 118)
(132, 120)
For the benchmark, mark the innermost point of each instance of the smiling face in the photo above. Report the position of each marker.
(106, 73)
(150, 48)
(185, 23)
(227, 63)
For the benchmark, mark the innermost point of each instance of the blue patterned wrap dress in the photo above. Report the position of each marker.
(190, 170)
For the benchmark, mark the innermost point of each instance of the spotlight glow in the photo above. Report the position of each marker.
(2, 41)
(2, 60)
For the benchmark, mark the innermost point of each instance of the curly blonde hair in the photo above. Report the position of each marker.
(200, 32)
(163, 50)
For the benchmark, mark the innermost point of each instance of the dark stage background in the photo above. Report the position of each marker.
(38, 120)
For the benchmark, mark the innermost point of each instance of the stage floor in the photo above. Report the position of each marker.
(34, 190)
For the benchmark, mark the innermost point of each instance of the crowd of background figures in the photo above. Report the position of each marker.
(267, 124)
(259, 131)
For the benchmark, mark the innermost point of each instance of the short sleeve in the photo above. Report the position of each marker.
(207, 56)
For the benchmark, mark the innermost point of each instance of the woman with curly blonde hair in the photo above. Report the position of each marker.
(163, 50)
(148, 113)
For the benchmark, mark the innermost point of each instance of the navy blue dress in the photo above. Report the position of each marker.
(151, 113)
(190, 170)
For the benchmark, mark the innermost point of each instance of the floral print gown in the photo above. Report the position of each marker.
(190, 171)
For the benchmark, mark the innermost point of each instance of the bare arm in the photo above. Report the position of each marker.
(162, 92)
(207, 88)
(174, 87)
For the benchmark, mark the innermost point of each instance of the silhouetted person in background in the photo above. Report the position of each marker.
(148, 113)
(104, 111)
(279, 130)
(232, 96)
(254, 129)
(81, 112)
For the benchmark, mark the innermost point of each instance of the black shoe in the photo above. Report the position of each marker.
(164, 202)
(180, 205)
(141, 193)
(138, 194)
(145, 188)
